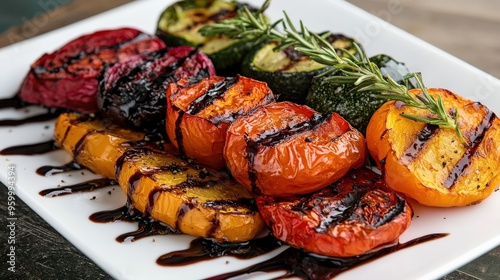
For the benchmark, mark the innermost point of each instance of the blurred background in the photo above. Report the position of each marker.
(21, 19)
(13, 12)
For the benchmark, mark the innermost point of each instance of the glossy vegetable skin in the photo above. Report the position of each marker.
(432, 165)
(132, 93)
(353, 216)
(284, 148)
(68, 77)
(199, 115)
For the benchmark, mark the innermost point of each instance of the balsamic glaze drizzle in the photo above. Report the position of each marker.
(49, 170)
(13, 102)
(30, 149)
(202, 249)
(298, 263)
(77, 188)
(146, 227)
(50, 115)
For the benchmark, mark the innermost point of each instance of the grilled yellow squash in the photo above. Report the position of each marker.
(185, 196)
(93, 144)
(433, 165)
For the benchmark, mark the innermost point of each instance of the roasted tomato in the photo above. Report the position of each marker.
(132, 93)
(284, 148)
(351, 217)
(67, 78)
(199, 115)
(432, 165)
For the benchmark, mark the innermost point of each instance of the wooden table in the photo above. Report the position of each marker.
(466, 29)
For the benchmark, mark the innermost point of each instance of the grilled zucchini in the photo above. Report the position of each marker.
(432, 165)
(181, 194)
(288, 72)
(180, 23)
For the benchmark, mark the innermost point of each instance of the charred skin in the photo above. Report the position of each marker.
(68, 77)
(283, 149)
(433, 165)
(194, 200)
(353, 216)
(132, 93)
(199, 115)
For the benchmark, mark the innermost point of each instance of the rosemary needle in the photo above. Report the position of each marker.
(361, 72)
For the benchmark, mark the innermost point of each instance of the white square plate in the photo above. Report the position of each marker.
(472, 230)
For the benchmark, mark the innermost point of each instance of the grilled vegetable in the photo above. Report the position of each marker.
(132, 93)
(180, 22)
(327, 95)
(283, 149)
(198, 116)
(186, 197)
(191, 199)
(94, 144)
(68, 77)
(288, 72)
(433, 165)
(353, 216)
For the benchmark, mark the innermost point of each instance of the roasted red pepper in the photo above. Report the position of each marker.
(284, 149)
(353, 216)
(67, 78)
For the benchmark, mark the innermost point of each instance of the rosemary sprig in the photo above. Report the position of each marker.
(361, 72)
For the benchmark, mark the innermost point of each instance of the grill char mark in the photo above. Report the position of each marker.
(38, 70)
(214, 92)
(475, 140)
(423, 137)
(274, 138)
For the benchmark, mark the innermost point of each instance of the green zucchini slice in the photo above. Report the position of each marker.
(180, 22)
(289, 73)
(356, 107)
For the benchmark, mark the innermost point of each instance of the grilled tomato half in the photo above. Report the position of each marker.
(433, 165)
(284, 148)
(198, 115)
(355, 215)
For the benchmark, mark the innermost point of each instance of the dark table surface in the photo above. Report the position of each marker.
(455, 26)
